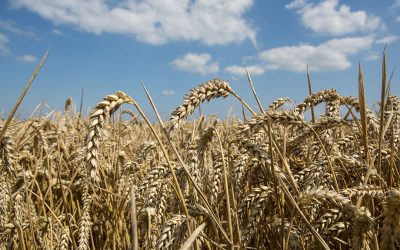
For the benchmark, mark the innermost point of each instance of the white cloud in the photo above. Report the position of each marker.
(152, 21)
(330, 18)
(254, 70)
(398, 19)
(27, 58)
(396, 4)
(329, 56)
(3, 43)
(296, 4)
(57, 32)
(168, 92)
(196, 63)
(372, 56)
(387, 40)
(12, 27)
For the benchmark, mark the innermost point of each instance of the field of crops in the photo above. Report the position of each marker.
(281, 178)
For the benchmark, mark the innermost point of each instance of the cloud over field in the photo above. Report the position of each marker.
(196, 63)
(168, 92)
(12, 27)
(332, 55)
(254, 70)
(331, 18)
(3, 43)
(387, 40)
(152, 21)
(27, 58)
(329, 56)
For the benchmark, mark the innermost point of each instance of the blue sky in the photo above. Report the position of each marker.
(103, 46)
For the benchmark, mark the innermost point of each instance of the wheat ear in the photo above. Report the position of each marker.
(390, 237)
(103, 110)
(211, 89)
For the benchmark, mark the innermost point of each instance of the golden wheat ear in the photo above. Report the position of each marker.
(390, 231)
(102, 111)
(207, 91)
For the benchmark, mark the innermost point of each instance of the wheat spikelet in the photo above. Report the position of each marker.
(310, 176)
(335, 230)
(162, 206)
(255, 193)
(211, 89)
(277, 103)
(393, 107)
(238, 172)
(152, 193)
(264, 157)
(5, 212)
(42, 138)
(179, 236)
(182, 180)
(166, 237)
(390, 231)
(317, 98)
(7, 153)
(198, 210)
(85, 224)
(294, 238)
(144, 149)
(332, 107)
(64, 241)
(134, 117)
(155, 174)
(362, 231)
(102, 111)
(194, 169)
(256, 217)
(275, 116)
(370, 190)
(18, 210)
(67, 109)
(216, 177)
(327, 219)
(321, 125)
(321, 194)
(156, 199)
(130, 177)
(350, 101)
(206, 137)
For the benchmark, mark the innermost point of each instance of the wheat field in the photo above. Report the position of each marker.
(283, 177)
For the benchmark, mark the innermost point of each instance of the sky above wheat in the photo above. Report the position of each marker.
(102, 46)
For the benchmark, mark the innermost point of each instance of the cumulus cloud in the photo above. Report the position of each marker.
(168, 92)
(387, 40)
(196, 63)
(152, 21)
(329, 18)
(27, 58)
(254, 70)
(3, 43)
(329, 56)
